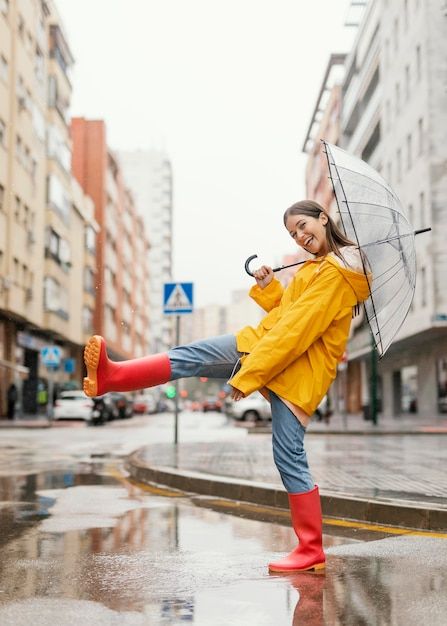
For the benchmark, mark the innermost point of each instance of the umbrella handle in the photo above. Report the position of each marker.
(275, 269)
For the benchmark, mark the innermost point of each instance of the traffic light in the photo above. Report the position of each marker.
(170, 391)
(183, 393)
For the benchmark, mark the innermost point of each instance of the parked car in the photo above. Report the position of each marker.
(122, 405)
(144, 404)
(73, 405)
(255, 407)
(212, 404)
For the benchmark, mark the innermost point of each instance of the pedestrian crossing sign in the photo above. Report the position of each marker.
(51, 356)
(178, 298)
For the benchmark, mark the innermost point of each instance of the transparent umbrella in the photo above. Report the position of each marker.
(372, 217)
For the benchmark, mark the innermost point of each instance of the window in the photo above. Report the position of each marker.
(90, 239)
(2, 197)
(397, 98)
(4, 7)
(409, 152)
(20, 26)
(399, 165)
(396, 34)
(25, 216)
(407, 81)
(57, 197)
(418, 63)
(53, 241)
(57, 148)
(89, 280)
(422, 208)
(3, 68)
(388, 115)
(423, 287)
(87, 320)
(387, 52)
(16, 270)
(19, 148)
(406, 14)
(389, 172)
(17, 209)
(411, 214)
(420, 136)
(55, 297)
(2, 133)
(39, 66)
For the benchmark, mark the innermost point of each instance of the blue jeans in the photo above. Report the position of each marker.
(218, 357)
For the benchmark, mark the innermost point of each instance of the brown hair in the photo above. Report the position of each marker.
(335, 238)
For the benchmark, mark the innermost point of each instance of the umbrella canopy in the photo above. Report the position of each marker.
(373, 218)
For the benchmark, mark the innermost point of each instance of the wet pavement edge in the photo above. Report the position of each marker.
(397, 513)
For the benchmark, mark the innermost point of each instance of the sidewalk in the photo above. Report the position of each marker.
(398, 479)
(354, 424)
(27, 421)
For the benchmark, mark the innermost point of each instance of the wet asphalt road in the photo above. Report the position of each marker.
(80, 544)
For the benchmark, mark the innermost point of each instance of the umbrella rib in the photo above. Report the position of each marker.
(383, 206)
(375, 316)
(376, 289)
(385, 186)
(379, 241)
(387, 270)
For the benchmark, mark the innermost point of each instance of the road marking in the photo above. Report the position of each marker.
(327, 521)
(331, 521)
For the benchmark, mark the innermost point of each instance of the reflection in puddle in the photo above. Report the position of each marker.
(107, 552)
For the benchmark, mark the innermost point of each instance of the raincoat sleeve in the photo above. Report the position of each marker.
(303, 323)
(269, 297)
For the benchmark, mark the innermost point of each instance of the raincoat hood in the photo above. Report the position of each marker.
(353, 270)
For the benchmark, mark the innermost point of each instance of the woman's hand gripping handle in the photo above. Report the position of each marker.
(263, 276)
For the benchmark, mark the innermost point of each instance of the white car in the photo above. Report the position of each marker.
(255, 407)
(73, 405)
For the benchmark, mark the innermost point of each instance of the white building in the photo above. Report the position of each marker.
(149, 177)
(394, 116)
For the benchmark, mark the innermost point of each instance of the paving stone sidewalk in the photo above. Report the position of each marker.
(390, 479)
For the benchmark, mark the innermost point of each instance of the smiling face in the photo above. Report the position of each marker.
(309, 232)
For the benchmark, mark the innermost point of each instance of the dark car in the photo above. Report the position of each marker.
(212, 404)
(122, 405)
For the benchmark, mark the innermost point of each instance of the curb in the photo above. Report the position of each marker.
(398, 513)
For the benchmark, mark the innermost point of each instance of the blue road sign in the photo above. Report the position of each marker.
(51, 356)
(69, 366)
(178, 298)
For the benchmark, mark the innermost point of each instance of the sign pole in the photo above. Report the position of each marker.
(177, 300)
(50, 408)
(177, 342)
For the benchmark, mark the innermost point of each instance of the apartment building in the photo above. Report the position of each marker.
(121, 284)
(393, 116)
(148, 174)
(44, 218)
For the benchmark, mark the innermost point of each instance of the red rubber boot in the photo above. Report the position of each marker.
(104, 375)
(305, 510)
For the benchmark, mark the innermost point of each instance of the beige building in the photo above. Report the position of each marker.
(46, 221)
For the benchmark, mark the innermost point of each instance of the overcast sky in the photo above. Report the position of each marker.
(227, 88)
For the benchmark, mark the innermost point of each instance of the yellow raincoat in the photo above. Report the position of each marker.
(295, 349)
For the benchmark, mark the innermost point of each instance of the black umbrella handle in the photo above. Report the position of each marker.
(275, 269)
(422, 230)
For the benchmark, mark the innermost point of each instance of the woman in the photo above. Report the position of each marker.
(291, 357)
